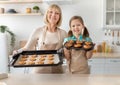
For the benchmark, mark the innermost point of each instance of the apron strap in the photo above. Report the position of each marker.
(44, 34)
(59, 37)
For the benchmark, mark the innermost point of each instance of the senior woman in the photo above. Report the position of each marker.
(48, 37)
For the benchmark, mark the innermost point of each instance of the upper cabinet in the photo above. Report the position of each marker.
(112, 14)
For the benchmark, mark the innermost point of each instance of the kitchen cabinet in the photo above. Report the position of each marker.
(21, 7)
(105, 63)
(112, 13)
(3, 53)
(97, 65)
(112, 66)
(23, 70)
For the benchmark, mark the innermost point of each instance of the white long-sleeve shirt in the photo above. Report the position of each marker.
(50, 38)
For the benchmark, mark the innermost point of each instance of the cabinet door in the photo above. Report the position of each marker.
(97, 65)
(112, 66)
(112, 14)
(20, 70)
(109, 12)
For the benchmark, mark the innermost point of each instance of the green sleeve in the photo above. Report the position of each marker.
(88, 39)
(65, 40)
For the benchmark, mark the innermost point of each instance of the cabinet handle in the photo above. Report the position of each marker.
(114, 61)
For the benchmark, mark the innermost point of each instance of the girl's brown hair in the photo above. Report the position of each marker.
(85, 32)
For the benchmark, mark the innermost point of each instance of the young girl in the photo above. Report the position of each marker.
(77, 59)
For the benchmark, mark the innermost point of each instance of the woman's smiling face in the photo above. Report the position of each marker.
(76, 27)
(53, 16)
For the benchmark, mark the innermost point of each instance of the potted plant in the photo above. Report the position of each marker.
(4, 29)
(36, 9)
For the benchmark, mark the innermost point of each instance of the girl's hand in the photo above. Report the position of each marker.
(67, 54)
(89, 54)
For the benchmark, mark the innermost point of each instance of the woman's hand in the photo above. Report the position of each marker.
(89, 54)
(67, 54)
(14, 52)
(17, 51)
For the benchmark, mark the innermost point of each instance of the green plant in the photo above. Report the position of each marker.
(4, 29)
(36, 8)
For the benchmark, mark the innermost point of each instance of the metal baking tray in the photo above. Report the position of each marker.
(58, 59)
(80, 48)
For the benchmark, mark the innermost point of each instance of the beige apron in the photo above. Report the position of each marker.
(78, 62)
(55, 46)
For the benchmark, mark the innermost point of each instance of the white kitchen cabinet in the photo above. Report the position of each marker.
(97, 65)
(111, 14)
(23, 70)
(3, 53)
(105, 65)
(112, 66)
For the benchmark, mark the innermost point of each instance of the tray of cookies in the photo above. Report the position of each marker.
(37, 58)
(79, 45)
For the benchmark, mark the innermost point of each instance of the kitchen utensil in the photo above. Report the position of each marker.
(113, 37)
(118, 43)
(2, 10)
(105, 31)
(109, 32)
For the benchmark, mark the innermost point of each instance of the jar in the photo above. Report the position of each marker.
(28, 10)
(103, 46)
(1, 10)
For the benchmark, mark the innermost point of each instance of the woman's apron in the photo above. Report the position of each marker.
(55, 46)
(78, 62)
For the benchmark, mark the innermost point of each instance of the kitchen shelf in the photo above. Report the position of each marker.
(21, 14)
(19, 2)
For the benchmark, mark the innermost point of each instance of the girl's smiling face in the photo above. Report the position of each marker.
(76, 27)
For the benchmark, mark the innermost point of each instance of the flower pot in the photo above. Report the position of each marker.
(3, 53)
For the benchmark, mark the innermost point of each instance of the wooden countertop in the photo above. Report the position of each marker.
(106, 55)
(61, 79)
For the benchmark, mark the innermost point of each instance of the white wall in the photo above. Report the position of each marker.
(92, 13)
(90, 10)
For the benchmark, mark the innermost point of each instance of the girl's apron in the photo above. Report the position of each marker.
(44, 46)
(78, 62)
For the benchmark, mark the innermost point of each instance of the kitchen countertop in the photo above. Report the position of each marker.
(61, 79)
(106, 55)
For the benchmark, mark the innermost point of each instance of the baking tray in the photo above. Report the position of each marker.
(81, 48)
(58, 59)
